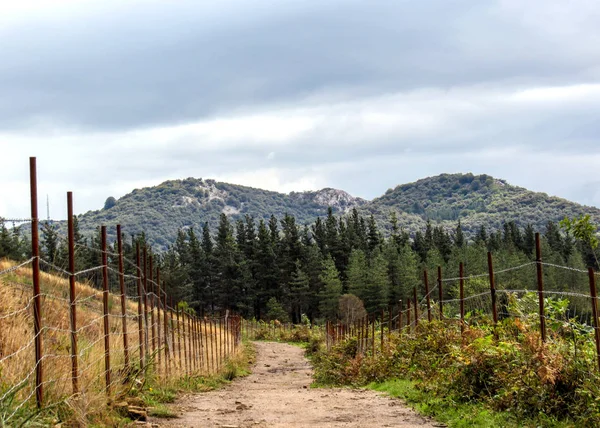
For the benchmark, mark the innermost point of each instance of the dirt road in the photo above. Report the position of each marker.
(278, 394)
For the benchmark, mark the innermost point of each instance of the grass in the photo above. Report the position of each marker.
(17, 404)
(454, 414)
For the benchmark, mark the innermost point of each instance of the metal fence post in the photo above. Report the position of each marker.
(426, 281)
(105, 310)
(123, 301)
(462, 297)
(72, 303)
(540, 282)
(440, 292)
(140, 303)
(492, 288)
(37, 303)
(594, 298)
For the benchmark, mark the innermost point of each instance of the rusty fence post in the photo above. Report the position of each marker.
(400, 326)
(390, 322)
(72, 297)
(373, 334)
(213, 362)
(462, 297)
(381, 328)
(158, 327)
(416, 308)
(105, 310)
(540, 283)
(492, 289)
(146, 306)
(152, 306)
(37, 302)
(172, 357)
(594, 298)
(184, 338)
(140, 304)
(440, 292)
(123, 301)
(166, 331)
(426, 281)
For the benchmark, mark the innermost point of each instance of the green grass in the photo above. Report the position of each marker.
(458, 415)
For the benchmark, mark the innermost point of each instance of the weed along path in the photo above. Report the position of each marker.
(278, 394)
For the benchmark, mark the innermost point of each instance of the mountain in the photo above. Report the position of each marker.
(474, 200)
(161, 210)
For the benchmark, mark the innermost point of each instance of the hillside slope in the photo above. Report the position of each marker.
(476, 200)
(161, 210)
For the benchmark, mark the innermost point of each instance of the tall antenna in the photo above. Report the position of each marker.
(48, 206)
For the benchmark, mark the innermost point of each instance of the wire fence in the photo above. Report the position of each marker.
(91, 336)
(557, 304)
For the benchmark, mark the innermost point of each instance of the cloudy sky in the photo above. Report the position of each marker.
(288, 95)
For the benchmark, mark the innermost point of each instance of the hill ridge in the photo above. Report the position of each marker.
(444, 199)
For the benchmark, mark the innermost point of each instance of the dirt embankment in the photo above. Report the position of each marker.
(278, 394)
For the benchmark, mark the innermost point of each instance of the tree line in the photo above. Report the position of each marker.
(277, 268)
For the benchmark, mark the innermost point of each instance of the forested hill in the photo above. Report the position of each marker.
(476, 200)
(162, 210)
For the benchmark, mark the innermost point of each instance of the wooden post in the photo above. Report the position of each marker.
(440, 292)
(594, 298)
(462, 297)
(492, 288)
(105, 310)
(72, 297)
(426, 281)
(37, 302)
(540, 281)
(123, 302)
(408, 321)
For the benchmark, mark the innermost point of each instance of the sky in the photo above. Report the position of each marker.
(293, 95)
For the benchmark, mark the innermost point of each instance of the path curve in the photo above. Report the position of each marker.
(277, 394)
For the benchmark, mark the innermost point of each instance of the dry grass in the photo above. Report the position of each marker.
(206, 355)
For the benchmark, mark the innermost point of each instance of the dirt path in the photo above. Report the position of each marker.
(278, 394)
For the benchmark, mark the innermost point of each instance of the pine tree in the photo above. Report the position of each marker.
(226, 257)
(459, 237)
(299, 293)
(332, 290)
(267, 273)
(50, 241)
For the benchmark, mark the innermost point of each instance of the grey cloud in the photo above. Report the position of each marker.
(168, 65)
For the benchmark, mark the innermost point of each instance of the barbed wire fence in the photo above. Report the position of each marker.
(91, 336)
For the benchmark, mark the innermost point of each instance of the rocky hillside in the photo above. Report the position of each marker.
(161, 210)
(476, 200)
